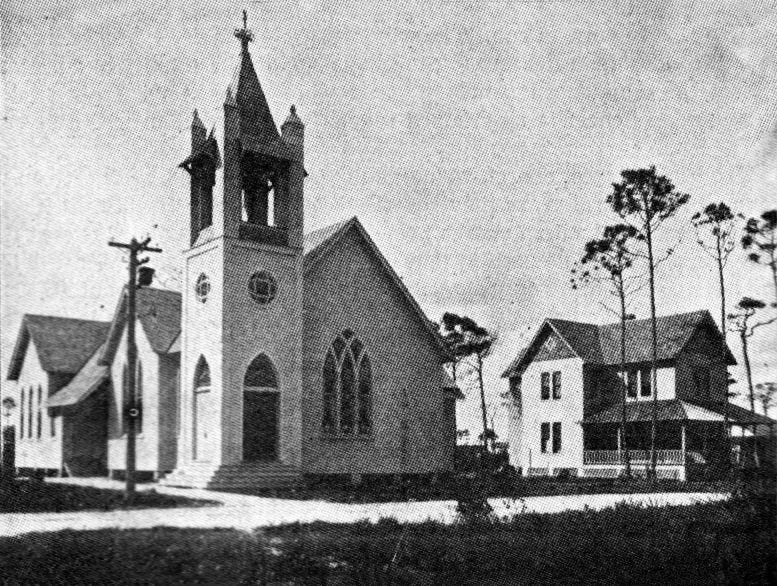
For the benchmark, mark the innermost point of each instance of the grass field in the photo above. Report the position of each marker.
(35, 496)
(732, 542)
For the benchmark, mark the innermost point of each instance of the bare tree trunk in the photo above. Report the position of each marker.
(653, 342)
(624, 443)
(748, 370)
(723, 329)
(483, 403)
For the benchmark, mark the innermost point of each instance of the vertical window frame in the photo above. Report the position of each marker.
(556, 435)
(545, 386)
(556, 385)
(544, 437)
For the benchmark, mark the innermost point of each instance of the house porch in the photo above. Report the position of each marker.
(691, 439)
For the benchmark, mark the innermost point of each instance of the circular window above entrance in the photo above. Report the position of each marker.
(202, 287)
(262, 287)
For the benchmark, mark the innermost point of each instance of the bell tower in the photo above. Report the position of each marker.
(242, 302)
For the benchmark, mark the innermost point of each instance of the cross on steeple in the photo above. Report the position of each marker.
(245, 35)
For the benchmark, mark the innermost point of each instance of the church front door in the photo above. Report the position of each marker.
(203, 423)
(260, 425)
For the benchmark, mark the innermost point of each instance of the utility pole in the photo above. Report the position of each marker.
(130, 415)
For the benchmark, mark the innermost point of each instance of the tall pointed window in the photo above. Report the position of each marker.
(39, 414)
(347, 391)
(21, 415)
(139, 398)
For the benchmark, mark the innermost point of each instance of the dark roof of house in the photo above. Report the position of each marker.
(678, 410)
(159, 313)
(600, 344)
(63, 344)
(88, 380)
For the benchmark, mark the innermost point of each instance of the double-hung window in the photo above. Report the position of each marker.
(544, 437)
(644, 382)
(550, 437)
(557, 384)
(545, 386)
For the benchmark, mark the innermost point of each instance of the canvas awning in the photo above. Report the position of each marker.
(88, 380)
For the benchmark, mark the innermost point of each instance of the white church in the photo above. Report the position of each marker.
(284, 355)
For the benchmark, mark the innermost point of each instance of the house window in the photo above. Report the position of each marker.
(545, 386)
(544, 437)
(631, 384)
(347, 392)
(52, 424)
(556, 438)
(39, 414)
(557, 385)
(701, 380)
(21, 416)
(644, 382)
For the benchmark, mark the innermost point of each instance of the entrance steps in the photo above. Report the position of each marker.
(242, 475)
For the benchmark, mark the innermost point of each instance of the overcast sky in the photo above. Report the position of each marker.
(476, 140)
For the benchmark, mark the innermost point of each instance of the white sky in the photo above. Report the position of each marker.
(476, 140)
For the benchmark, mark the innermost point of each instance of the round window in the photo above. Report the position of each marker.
(262, 287)
(202, 287)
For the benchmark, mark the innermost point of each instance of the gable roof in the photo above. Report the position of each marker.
(159, 313)
(88, 380)
(318, 243)
(63, 344)
(600, 344)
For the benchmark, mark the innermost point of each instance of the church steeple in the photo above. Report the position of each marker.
(262, 186)
(245, 93)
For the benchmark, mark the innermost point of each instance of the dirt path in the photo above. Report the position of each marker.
(247, 512)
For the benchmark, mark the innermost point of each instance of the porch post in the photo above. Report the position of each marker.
(682, 448)
(620, 444)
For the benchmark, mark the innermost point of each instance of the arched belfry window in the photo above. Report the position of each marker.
(260, 375)
(347, 389)
(202, 375)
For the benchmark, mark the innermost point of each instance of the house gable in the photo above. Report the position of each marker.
(552, 347)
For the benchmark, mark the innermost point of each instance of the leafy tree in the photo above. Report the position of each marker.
(740, 323)
(766, 394)
(610, 260)
(466, 339)
(760, 239)
(645, 200)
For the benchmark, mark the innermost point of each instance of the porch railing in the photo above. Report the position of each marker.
(614, 457)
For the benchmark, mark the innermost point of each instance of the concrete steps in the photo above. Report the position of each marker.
(243, 475)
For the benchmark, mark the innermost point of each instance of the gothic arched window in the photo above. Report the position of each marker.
(347, 392)
(202, 375)
(260, 375)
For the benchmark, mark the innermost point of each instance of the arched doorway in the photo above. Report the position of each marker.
(260, 411)
(202, 440)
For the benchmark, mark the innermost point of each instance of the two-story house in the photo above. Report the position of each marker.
(569, 398)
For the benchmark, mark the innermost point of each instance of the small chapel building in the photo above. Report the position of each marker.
(284, 355)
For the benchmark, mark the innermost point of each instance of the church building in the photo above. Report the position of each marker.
(284, 355)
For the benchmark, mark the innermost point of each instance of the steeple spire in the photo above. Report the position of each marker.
(244, 34)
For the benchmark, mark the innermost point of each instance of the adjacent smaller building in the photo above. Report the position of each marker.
(568, 398)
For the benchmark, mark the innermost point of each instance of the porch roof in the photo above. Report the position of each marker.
(88, 380)
(678, 410)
